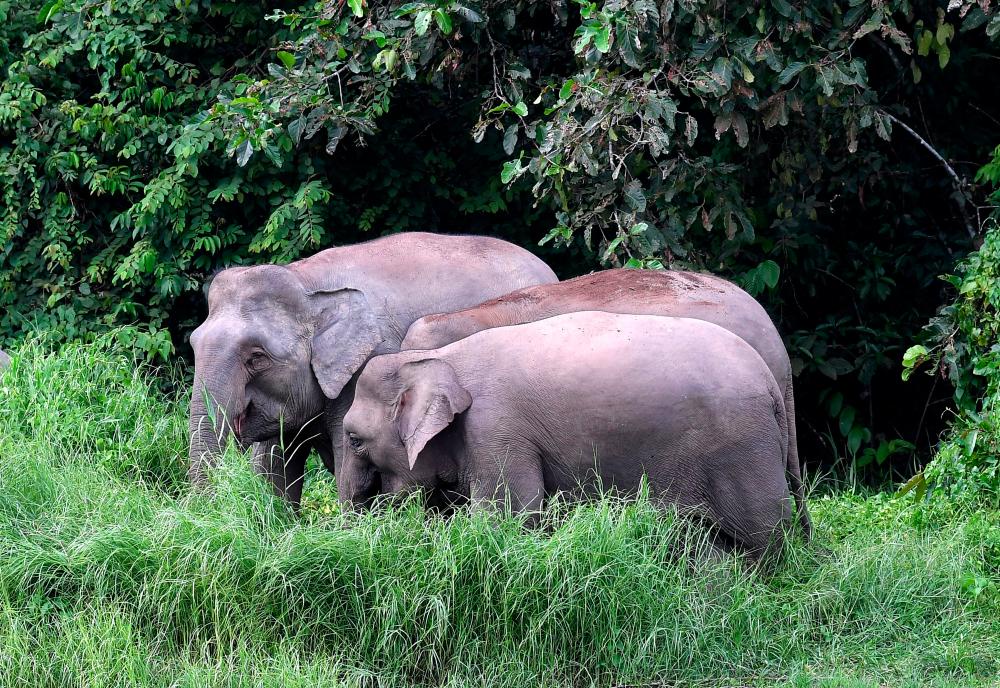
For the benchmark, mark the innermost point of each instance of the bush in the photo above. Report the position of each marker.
(965, 348)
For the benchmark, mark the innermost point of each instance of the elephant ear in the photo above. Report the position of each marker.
(431, 398)
(345, 336)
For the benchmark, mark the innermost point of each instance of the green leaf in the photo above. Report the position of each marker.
(443, 21)
(770, 271)
(784, 9)
(914, 355)
(612, 245)
(295, 129)
(567, 89)
(49, 9)
(521, 109)
(511, 170)
(945, 32)
(944, 54)
(602, 39)
(790, 72)
(924, 43)
(356, 8)
(854, 439)
(836, 403)
(286, 58)
(846, 420)
(917, 484)
(690, 129)
(634, 196)
(510, 139)
(390, 60)
(243, 153)
(422, 22)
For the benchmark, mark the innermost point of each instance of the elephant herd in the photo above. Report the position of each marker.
(460, 367)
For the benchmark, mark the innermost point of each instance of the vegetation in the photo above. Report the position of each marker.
(807, 150)
(113, 573)
(964, 347)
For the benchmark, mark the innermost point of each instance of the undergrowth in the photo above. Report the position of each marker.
(113, 572)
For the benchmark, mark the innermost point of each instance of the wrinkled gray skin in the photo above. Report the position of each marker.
(640, 292)
(276, 357)
(519, 413)
(4, 360)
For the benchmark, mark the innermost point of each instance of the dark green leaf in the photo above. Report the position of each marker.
(846, 420)
(770, 273)
(635, 197)
(510, 139)
(790, 72)
(443, 21)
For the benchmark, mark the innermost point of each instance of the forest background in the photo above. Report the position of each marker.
(833, 158)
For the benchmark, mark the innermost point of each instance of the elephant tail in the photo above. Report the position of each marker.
(793, 468)
(784, 415)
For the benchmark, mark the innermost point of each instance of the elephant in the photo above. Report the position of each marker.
(277, 356)
(637, 292)
(4, 360)
(574, 402)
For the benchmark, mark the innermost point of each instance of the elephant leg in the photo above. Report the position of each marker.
(794, 467)
(283, 467)
(513, 480)
(335, 447)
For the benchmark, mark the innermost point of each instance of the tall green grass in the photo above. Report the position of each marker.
(112, 572)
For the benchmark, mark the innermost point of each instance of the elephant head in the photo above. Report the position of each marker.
(397, 412)
(268, 356)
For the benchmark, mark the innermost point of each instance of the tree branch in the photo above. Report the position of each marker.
(959, 182)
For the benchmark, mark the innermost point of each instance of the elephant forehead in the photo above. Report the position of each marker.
(258, 284)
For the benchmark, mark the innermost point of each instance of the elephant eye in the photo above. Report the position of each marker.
(357, 444)
(258, 361)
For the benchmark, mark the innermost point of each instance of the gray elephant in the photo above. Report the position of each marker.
(276, 358)
(519, 413)
(4, 360)
(639, 292)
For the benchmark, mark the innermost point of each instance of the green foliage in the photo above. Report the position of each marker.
(146, 145)
(745, 140)
(965, 348)
(114, 573)
(118, 197)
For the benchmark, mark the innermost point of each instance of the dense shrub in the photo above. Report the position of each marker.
(964, 347)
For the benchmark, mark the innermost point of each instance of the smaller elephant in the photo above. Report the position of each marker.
(4, 360)
(516, 414)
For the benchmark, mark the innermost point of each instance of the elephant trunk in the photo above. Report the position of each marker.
(217, 407)
(358, 483)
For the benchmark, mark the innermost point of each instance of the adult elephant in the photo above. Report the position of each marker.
(636, 292)
(576, 403)
(277, 357)
(4, 360)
